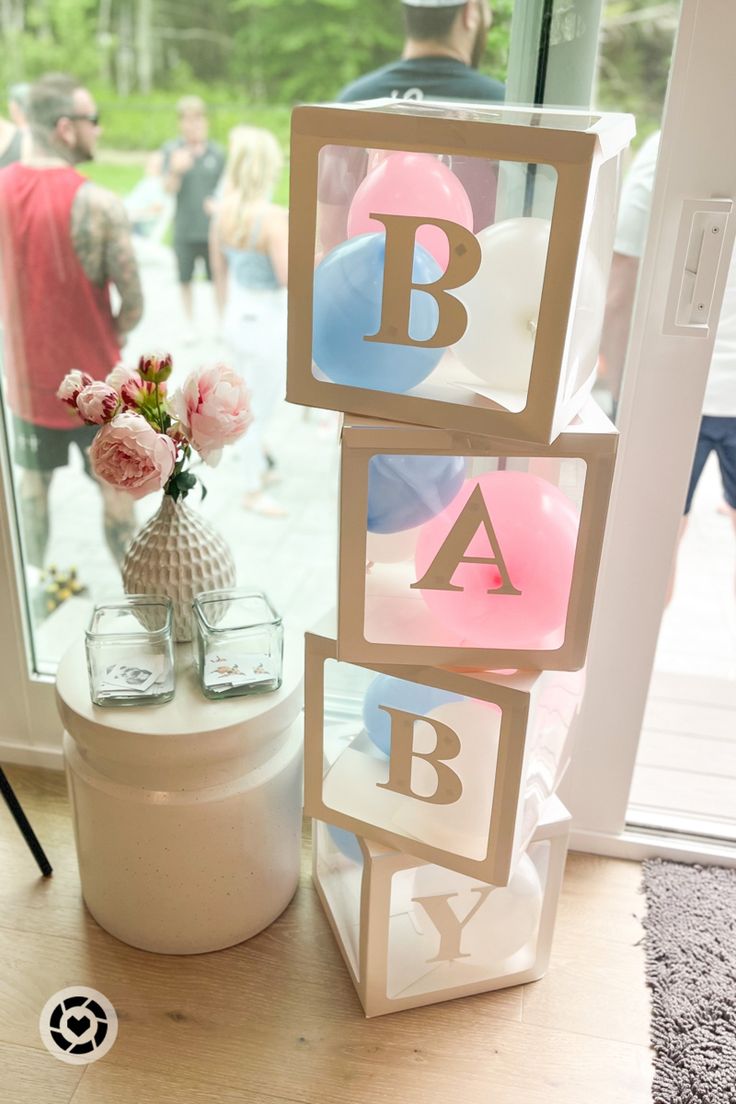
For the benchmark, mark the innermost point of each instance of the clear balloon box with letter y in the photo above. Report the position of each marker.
(448, 263)
(413, 933)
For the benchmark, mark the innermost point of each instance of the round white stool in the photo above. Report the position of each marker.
(187, 815)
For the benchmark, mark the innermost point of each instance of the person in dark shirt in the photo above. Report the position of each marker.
(443, 48)
(192, 166)
(444, 44)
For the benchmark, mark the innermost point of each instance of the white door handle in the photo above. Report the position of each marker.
(698, 252)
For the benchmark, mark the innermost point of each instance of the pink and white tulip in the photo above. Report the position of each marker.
(97, 403)
(156, 368)
(137, 393)
(118, 376)
(71, 385)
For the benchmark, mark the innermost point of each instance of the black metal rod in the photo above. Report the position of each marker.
(22, 821)
(545, 33)
(540, 85)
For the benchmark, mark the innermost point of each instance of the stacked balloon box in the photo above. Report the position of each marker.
(471, 551)
(503, 216)
(414, 933)
(448, 267)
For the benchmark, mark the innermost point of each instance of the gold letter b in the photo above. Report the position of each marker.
(398, 282)
(449, 787)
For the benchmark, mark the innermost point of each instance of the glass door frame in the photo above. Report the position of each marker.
(664, 383)
(30, 729)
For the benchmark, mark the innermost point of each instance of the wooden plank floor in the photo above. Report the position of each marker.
(686, 764)
(276, 1019)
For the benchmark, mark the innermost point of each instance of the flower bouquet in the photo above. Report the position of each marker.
(147, 437)
(147, 442)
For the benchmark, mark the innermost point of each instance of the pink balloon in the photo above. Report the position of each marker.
(536, 528)
(412, 184)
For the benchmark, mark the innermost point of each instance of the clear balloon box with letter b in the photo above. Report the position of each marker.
(448, 263)
(413, 933)
(469, 551)
(448, 767)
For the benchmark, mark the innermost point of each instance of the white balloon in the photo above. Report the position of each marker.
(391, 547)
(590, 306)
(502, 301)
(505, 922)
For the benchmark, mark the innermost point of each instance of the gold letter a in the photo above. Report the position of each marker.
(439, 574)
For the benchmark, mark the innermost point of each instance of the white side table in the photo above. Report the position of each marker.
(187, 815)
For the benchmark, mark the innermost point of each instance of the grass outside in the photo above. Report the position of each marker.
(120, 162)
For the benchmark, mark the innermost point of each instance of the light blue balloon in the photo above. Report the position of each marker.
(412, 697)
(404, 491)
(346, 308)
(346, 842)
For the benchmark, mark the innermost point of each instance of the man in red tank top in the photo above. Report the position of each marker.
(63, 242)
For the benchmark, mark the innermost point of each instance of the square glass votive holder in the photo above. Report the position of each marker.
(130, 657)
(240, 643)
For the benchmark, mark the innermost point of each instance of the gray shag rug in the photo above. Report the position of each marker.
(691, 969)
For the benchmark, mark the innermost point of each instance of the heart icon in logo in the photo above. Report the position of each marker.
(78, 1024)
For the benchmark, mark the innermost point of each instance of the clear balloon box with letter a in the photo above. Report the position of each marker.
(413, 933)
(471, 551)
(448, 263)
(449, 767)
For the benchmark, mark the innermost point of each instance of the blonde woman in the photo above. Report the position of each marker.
(248, 250)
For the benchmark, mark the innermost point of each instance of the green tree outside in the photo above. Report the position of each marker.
(253, 59)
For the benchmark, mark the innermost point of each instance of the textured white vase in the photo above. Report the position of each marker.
(178, 554)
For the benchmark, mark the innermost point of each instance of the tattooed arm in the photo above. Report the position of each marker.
(102, 241)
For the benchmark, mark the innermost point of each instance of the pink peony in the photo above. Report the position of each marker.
(213, 408)
(129, 454)
(97, 403)
(71, 385)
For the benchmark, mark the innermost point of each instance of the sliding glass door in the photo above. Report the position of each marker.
(683, 275)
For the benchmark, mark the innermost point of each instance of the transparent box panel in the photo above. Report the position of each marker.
(447, 931)
(488, 113)
(493, 265)
(339, 872)
(590, 302)
(471, 552)
(551, 740)
(443, 808)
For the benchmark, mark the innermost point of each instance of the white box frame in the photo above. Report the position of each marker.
(379, 865)
(576, 155)
(591, 438)
(510, 823)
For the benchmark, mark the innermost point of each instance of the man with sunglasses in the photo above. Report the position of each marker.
(63, 242)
